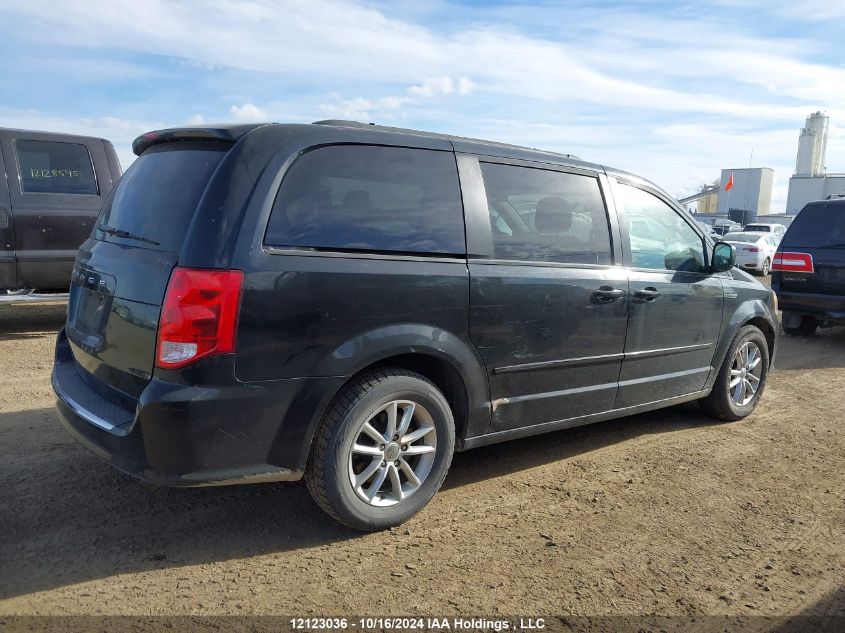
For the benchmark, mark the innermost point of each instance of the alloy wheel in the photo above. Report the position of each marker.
(746, 372)
(393, 453)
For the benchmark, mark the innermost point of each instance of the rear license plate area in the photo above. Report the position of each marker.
(91, 312)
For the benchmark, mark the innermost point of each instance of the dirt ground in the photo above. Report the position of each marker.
(664, 513)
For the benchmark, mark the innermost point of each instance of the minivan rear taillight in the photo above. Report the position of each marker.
(199, 316)
(793, 262)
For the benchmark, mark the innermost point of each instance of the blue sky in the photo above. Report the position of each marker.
(671, 91)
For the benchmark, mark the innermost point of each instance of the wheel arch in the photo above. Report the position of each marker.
(752, 312)
(768, 329)
(444, 358)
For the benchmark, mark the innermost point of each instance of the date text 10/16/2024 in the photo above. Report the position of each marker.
(416, 623)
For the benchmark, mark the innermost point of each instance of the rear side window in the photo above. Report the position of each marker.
(54, 167)
(817, 226)
(157, 196)
(357, 197)
(546, 216)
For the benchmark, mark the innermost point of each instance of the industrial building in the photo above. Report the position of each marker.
(750, 191)
(811, 180)
(740, 194)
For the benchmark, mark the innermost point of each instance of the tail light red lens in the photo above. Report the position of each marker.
(199, 316)
(751, 249)
(793, 262)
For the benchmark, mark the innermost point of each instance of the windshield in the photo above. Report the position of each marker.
(155, 200)
(819, 225)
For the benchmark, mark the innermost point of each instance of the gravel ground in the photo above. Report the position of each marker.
(663, 513)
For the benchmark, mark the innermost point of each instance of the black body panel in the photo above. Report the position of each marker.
(553, 351)
(670, 343)
(113, 311)
(8, 274)
(517, 347)
(47, 228)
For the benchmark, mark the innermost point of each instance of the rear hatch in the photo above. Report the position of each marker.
(121, 273)
(811, 256)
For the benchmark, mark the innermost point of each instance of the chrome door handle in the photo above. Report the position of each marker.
(647, 294)
(606, 294)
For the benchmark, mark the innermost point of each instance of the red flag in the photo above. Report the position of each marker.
(730, 182)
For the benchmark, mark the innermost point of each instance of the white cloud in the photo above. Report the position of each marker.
(196, 119)
(807, 10)
(674, 96)
(385, 107)
(248, 113)
(344, 39)
(360, 108)
(442, 86)
(465, 86)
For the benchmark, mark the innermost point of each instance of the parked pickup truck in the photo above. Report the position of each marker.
(51, 189)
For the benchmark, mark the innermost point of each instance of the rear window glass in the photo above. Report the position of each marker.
(157, 196)
(760, 228)
(542, 215)
(745, 238)
(54, 167)
(353, 197)
(818, 226)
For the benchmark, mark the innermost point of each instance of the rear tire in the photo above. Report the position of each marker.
(808, 327)
(767, 265)
(742, 377)
(382, 450)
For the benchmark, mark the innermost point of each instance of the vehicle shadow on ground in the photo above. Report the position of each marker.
(824, 350)
(825, 616)
(30, 321)
(69, 517)
(517, 455)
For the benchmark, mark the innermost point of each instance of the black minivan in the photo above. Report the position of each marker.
(351, 304)
(52, 186)
(808, 270)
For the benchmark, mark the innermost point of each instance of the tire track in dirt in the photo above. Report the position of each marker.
(663, 512)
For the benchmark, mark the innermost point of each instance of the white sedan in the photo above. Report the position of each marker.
(754, 251)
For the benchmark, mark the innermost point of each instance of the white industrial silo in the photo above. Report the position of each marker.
(811, 146)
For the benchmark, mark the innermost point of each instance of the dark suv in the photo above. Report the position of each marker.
(808, 271)
(352, 303)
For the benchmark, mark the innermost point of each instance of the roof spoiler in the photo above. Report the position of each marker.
(224, 133)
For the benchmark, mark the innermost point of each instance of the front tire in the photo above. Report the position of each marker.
(741, 378)
(382, 450)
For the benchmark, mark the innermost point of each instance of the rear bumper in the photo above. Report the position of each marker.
(189, 435)
(750, 261)
(829, 308)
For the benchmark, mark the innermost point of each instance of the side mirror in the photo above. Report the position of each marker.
(724, 257)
